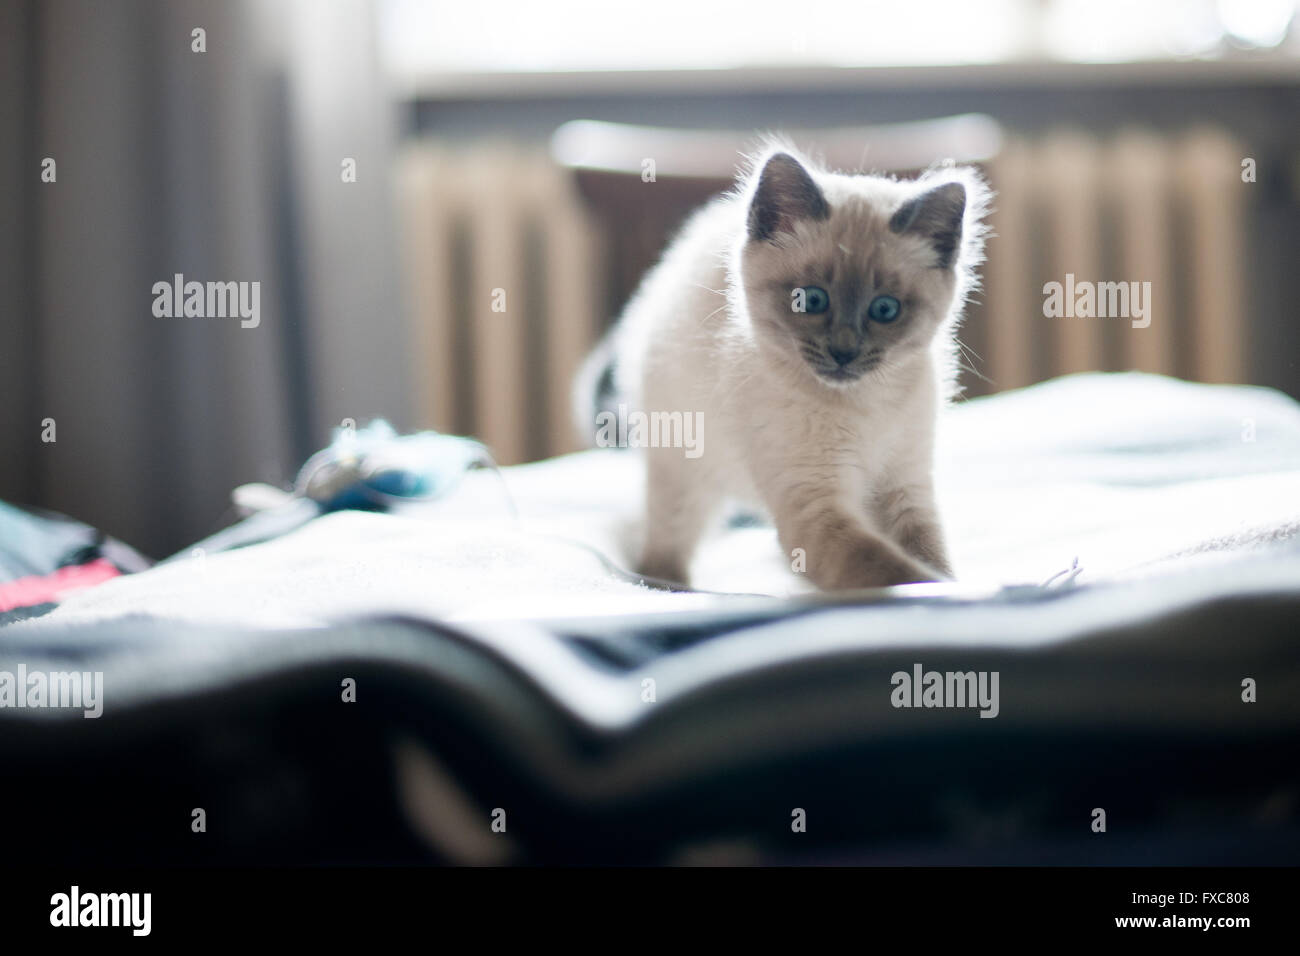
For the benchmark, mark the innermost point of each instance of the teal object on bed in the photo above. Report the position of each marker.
(372, 467)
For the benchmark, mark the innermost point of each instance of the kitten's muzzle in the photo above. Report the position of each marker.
(843, 356)
(845, 368)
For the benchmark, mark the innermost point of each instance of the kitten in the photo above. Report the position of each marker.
(809, 317)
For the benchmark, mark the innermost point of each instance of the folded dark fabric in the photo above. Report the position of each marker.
(1171, 703)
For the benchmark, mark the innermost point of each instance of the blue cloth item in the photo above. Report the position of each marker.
(366, 469)
(373, 467)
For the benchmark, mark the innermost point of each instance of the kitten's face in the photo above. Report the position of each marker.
(849, 276)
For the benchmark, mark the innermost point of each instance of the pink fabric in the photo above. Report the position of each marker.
(46, 588)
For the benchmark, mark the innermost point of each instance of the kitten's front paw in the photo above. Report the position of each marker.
(663, 570)
(871, 564)
(922, 574)
(924, 544)
(887, 573)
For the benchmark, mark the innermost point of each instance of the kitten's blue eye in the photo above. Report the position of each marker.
(811, 299)
(883, 308)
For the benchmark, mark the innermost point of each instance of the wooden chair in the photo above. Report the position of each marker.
(637, 215)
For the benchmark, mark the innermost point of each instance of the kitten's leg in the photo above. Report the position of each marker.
(842, 552)
(680, 498)
(910, 517)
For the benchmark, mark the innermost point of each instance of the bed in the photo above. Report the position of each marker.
(1128, 562)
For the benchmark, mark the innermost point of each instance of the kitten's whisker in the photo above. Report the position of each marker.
(721, 292)
(716, 311)
(964, 350)
(980, 376)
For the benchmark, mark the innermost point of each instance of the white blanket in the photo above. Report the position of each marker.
(1127, 474)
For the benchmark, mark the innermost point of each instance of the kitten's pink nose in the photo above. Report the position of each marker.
(843, 356)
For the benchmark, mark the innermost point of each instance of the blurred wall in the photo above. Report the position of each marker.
(1254, 102)
(221, 165)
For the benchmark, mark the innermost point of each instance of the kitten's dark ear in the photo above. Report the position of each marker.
(937, 215)
(785, 194)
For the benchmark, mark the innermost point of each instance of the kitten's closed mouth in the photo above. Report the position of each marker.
(841, 374)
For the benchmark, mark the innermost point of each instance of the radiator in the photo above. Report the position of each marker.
(503, 272)
(1133, 207)
(493, 221)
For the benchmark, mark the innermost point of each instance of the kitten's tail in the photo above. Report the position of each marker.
(596, 388)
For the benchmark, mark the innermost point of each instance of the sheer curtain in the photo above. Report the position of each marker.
(221, 166)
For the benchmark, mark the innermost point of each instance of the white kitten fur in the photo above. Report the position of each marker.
(842, 466)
